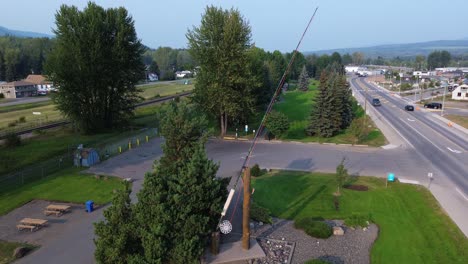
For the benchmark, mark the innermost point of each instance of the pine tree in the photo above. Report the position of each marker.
(304, 80)
(116, 240)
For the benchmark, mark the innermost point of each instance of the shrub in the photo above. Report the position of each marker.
(277, 123)
(2, 96)
(314, 228)
(259, 213)
(22, 119)
(255, 171)
(12, 140)
(356, 220)
(12, 124)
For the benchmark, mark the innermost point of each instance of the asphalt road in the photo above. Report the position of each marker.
(445, 148)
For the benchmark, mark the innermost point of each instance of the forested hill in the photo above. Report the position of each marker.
(22, 34)
(455, 47)
(22, 56)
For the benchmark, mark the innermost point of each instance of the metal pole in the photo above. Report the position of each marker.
(443, 102)
(246, 211)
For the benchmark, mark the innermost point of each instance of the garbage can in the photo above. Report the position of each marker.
(89, 206)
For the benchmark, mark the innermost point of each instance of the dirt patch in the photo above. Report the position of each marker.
(360, 188)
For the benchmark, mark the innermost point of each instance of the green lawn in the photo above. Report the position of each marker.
(7, 249)
(68, 185)
(297, 105)
(165, 89)
(413, 228)
(458, 119)
(50, 144)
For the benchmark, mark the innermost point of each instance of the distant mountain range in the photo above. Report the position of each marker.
(22, 34)
(456, 47)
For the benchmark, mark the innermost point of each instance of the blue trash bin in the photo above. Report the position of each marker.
(391, 177)
(89, 206)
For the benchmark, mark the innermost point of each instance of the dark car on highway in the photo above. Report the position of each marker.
(409, 108)
(376, 102)
(433, 105)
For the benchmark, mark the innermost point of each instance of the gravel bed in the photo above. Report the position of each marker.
(353, 247)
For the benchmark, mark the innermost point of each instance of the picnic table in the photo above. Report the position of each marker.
(56, 209)
(34, 222)
(31, 224)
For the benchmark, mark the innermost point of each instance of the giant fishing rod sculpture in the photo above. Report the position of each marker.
(225, 226)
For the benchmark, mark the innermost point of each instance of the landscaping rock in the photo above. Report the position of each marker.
(20, 252)
(338, 231)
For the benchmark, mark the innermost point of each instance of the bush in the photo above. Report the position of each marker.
(259, 213)
(2, 96)
(12, 124)
(12, 140)
(22, 119)
(356, 220)
(314, 228)
(255, 171)
(277, 123)
(157, 96)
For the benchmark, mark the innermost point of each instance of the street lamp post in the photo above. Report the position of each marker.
(443, 101)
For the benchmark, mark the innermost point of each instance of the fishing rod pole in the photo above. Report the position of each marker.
(260, 128)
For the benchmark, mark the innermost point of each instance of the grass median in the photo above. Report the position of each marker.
(165, 89)
(68, 185)
(7, 249)
(412, 226)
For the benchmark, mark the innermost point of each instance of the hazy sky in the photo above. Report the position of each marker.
(275, 24)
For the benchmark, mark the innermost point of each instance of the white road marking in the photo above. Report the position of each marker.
(461, 193)
(454, 150)
(423, 136)
(411, 120)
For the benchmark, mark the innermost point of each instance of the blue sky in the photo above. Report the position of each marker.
(275, 24)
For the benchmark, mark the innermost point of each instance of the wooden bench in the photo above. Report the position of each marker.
(30, 227)
(49, 212)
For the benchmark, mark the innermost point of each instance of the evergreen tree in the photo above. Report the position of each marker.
(304, 80)
(116, 240)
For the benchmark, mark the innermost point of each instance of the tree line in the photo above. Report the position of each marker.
(20, 57)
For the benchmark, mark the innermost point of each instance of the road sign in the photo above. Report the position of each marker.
(36, 113)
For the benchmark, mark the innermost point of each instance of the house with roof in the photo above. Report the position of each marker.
(460, 92)
(41, 82)
(18, 89)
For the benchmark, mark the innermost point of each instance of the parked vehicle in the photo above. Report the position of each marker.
(376, 102)
(409, 108)
(433, 105)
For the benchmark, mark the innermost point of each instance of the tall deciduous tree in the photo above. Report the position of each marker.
(438, 59)
(304, 80)
(220, 45)
(96, 62)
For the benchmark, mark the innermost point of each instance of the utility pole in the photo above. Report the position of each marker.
(443, 102)
(246, 211)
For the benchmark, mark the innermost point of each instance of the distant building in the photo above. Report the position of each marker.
(41, 83)
(183, 74)
(18, 89)
(152, 77)
(460, 93)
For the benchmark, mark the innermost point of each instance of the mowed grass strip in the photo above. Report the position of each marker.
(9, 115)
(165, 89)
(413, 227)
(460, 120)
(68, 185)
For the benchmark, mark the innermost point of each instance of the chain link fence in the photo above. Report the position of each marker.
(44, 169)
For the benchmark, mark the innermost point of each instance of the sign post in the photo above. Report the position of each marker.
(431, 178)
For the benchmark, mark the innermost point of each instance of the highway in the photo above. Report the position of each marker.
(444, 147)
